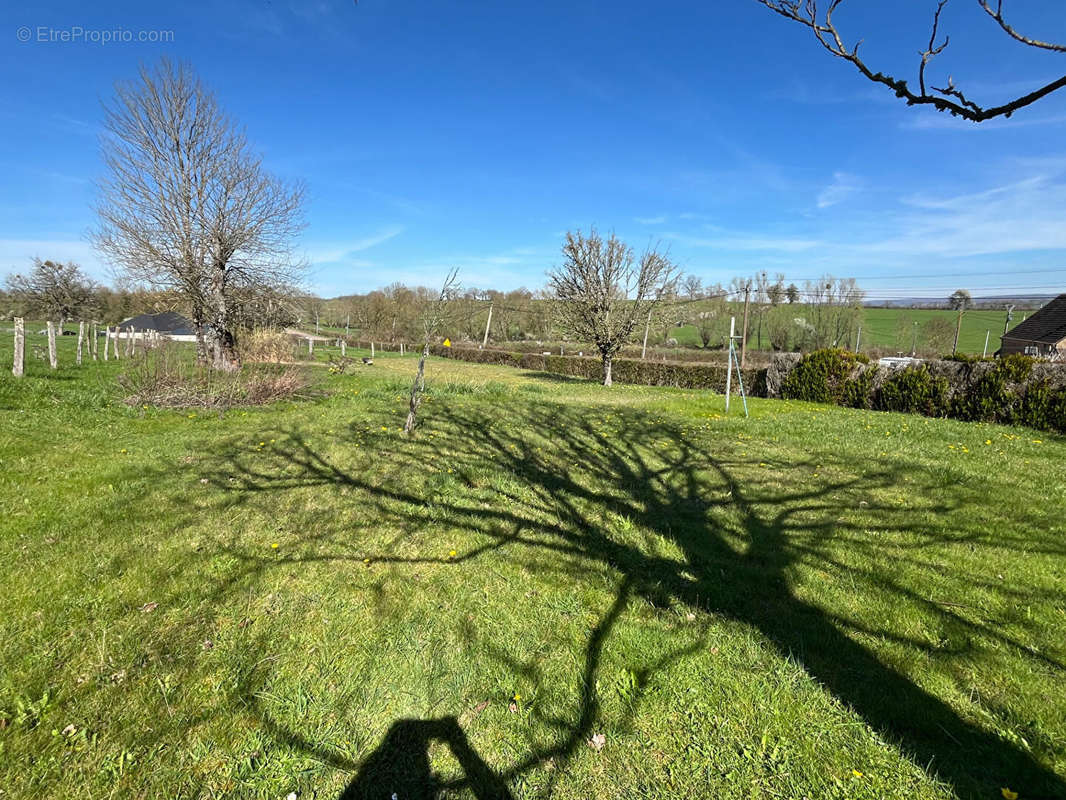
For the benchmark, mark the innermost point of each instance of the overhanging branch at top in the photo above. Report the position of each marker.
(950, 98)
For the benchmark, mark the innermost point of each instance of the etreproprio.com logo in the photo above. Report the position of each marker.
(77, 34)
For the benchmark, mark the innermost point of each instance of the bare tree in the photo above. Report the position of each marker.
(53, 290)
(937, 334)
(946, 98)
(692, 285)
(187, 205)
(434, 315)
(834, 307)
(603, 291)
(712, 319)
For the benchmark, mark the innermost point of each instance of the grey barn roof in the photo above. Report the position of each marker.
(170, 322)
(1046, 326)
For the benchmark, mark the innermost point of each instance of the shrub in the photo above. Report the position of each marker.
(914, 390)
(821, 376)
(268, 346)
(1044, 407)
(995, 395)
(168, 378)
(858, 390)
(1016, 368)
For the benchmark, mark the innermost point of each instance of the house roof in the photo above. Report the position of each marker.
(166, 322)
(1046, 326)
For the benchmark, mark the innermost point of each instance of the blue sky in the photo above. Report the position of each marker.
(474, 134)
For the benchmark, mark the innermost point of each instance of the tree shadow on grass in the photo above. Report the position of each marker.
(743, 540)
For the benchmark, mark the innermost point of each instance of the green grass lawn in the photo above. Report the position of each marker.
(813, 602)
(882, 329)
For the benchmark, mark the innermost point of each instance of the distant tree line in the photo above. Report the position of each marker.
(63, 292)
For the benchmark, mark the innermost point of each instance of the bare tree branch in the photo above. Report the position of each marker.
(187, 205)
(602, 292)
(434, 314)
(949, 98)
(57, 291)
(997, 15)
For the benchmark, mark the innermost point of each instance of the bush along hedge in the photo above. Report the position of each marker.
(1013, 390)
(824, 377)
(686, 375)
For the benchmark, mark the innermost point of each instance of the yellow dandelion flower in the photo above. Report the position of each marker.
(856, 773)
(274, 546)
(452, 554)
(1008, 794)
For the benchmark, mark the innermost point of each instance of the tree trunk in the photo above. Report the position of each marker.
(19, 367)
(223, 345)
(81, 340)
(607, 370)
(416, 392)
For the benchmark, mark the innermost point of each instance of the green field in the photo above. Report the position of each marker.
(884, 329)
(892, 329)
(813, 602)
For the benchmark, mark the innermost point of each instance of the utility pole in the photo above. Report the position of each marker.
(647, 325)
(858, 339)
(744, 337)
(488, 322)
(729, 363)
(958, 330)
(984, 353)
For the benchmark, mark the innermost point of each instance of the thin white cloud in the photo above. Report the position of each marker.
(650, 220)
(1006, 221)
(337, 252)
(741, 241)
(843, 186)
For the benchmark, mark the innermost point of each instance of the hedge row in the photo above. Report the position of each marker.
(1014, 390)
(686, 375)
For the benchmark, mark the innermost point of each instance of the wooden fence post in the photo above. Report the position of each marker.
(115, 343)
(107, 341)
(19, 367)
(344, 348)
(310, 346)
(53, 362)
(81, 340)
(129, 343)
(93, 341)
